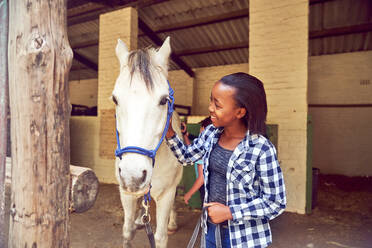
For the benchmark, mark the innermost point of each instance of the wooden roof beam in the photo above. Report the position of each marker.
(311, 2)
(212, 49)
(361, 28)
(154, 37)
(238, 14)
(85, 61)
(94, 15)
(85, 44)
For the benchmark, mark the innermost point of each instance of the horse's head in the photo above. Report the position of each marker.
(141, 97)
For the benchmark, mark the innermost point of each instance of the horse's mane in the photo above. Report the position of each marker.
(140, 60)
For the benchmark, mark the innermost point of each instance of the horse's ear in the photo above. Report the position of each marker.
(162, 55)
(122, 52)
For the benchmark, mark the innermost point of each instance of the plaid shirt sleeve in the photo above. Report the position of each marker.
(270, 200)
(191, 153)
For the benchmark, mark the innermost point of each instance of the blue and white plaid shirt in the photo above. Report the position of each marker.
(255, 187)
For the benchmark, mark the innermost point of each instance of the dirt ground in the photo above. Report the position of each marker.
(342, 218)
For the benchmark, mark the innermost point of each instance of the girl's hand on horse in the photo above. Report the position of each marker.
(218, 212)
(186, 198)
(170, 132)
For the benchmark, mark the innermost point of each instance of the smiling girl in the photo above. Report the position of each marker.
(244, 186)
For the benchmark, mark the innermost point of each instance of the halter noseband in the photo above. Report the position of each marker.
(149, 153)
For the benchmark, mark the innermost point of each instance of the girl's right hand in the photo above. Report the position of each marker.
(170, 133)
(186, 198)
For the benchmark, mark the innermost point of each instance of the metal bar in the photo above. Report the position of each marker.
(4, 29)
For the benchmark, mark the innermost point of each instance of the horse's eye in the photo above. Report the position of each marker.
(163, 101)
(114, 100)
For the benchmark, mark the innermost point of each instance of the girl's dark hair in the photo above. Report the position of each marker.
(206, 122)
(249, 94)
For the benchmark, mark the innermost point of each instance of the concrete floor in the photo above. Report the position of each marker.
(342, 218)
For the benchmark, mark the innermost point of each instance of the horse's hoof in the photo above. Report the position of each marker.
(139, 226)
(126, 245)
(171, 231)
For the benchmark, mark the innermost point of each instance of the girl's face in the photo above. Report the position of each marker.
(222, 107)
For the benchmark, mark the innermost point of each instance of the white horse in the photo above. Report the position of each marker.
(141, 95)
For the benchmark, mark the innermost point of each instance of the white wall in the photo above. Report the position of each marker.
(342, 137)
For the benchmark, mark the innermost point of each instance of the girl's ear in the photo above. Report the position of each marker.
(241, 112)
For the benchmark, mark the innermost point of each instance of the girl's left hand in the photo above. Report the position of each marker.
(218, 212)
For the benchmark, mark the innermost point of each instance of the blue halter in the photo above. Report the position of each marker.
(149, 153)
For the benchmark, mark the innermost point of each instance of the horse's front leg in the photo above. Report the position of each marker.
(163, 208)
(129, 203)
(172, 225)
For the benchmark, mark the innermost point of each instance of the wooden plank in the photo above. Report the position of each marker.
(39, 61)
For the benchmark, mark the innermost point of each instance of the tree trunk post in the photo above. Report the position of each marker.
(39, 61)
(3, 115)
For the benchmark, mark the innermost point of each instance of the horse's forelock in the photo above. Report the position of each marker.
(140, 60)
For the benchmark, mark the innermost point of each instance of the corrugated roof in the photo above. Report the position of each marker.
(215, 32)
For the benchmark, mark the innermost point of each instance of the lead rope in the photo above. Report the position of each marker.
(195, 234)
(146, 221)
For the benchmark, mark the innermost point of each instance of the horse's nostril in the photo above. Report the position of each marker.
(144, 174)
(119, 170)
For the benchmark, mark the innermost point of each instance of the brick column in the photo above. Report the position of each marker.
(121, 24)
(278, 55)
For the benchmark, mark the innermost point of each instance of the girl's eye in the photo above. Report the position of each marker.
(163, 101)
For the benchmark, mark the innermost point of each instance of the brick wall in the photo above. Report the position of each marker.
(109, 32)
(183, 87)
(121, 24)
(278, 55)
(84, 92)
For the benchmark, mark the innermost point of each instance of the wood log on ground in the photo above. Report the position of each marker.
(83, 190)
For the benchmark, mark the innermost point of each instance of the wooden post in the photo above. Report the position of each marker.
(39, 62)
(3, 115)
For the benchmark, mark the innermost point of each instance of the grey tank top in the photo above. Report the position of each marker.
(217, 168)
